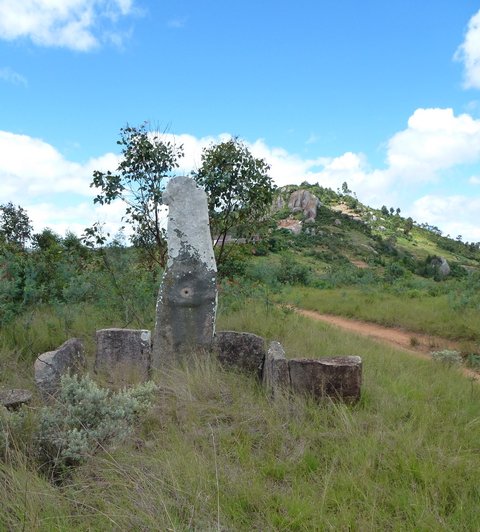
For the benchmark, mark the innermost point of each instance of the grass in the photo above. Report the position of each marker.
(415, 311)
(216, 453)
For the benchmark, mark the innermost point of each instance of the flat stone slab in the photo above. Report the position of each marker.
(276, 373)
(123, 354)
(337, 377)
(14, 398)
(240, 350)
(50, 366)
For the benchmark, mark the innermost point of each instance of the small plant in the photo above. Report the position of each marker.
(86, 418)
(414, 341)
(16, 431)
(447, 356)
(473, 361)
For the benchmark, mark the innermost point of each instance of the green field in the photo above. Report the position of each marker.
(216, 453)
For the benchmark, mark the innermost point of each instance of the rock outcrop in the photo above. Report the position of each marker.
(440, 267)
(306, 202)
(290, 224)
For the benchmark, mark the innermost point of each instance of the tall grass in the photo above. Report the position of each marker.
(216, 453)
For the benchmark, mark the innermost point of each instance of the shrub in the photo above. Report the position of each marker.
(86, 418)
(448, 357)
(473, 361)
(293, 272)
(16, 431)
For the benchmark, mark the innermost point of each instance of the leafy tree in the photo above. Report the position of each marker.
(239, 189)
(408, 225)
(384, 210)
(15, 225)
(147, 159)
(46, 240)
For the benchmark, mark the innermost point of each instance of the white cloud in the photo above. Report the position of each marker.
(37, 176)
(177, 23)
(10, 76)
(454, 215)
(435, 140)
(32, 167)
(469, 53)
(75, 24)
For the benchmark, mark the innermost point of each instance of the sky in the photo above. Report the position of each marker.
(382, 95)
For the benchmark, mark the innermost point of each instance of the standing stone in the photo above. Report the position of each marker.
(338, 377)
(50, 366)
(240, 350)
(276, 374)
(187, 298)
(123, 354)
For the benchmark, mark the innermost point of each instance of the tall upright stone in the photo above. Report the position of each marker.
(187, 298)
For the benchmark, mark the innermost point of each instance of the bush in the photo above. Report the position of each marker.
(448, 357)
(86, 418)
(293, 272)
(16, 431)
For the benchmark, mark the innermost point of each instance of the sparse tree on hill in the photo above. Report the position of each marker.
(345, 188)
(408, 225)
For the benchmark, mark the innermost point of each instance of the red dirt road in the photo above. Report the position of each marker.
(419, 345)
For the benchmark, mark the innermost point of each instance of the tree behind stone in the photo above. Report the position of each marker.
(147, 159)
(240, 191)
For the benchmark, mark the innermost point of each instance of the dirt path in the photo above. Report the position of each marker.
(417, 344)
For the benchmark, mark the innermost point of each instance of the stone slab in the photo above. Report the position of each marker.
(50, 366)
(240, 350)
(123, 355)
(14, 398)
(336, 377)
(276, 374)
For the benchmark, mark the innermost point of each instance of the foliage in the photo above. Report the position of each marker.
(62, 271)
(16, 432)
(239, 189)
(15, 225)
(147, 160)
(447, 356)
(86, 418)
(292, 271)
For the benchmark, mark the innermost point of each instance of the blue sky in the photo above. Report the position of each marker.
(383, 95)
